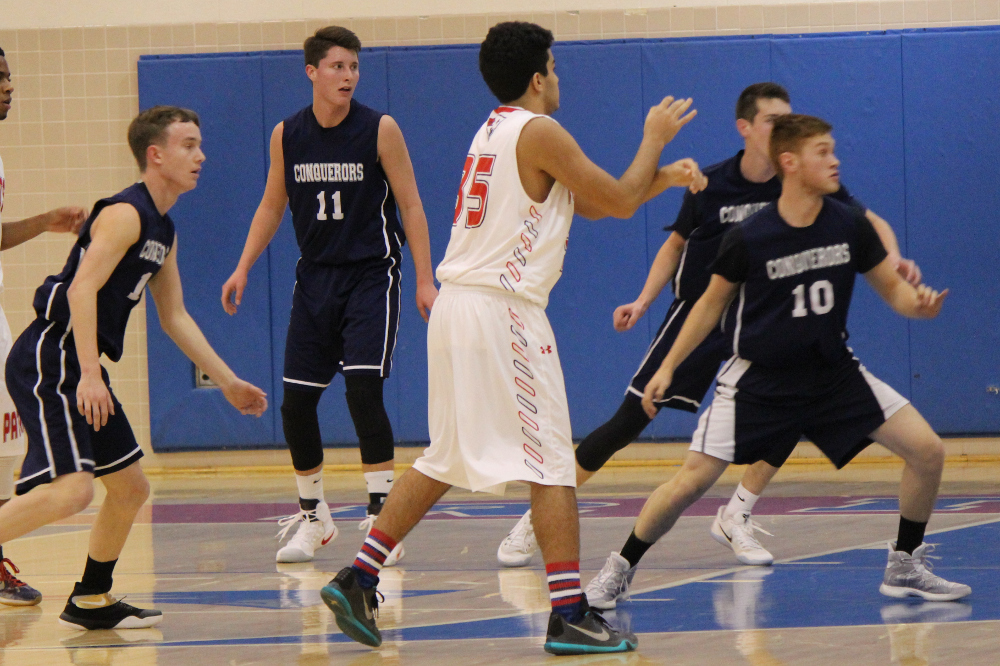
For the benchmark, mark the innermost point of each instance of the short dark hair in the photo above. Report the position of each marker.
(791, 131)
(511, 54)
(2, 54)
(746, 105)
(150, 127)
(317, 46)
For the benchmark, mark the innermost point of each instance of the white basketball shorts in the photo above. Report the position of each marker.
(497, 401)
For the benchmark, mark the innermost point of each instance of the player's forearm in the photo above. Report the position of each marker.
(15, 233)
(184, 331)
(635, 183)
(83, 316)
(418, 238)
(703, 318)
(886, 235)
(660, 273)
(262, 229)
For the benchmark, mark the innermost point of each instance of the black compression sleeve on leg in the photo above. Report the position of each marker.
(620, 431)
(371, 423)
(301, 425)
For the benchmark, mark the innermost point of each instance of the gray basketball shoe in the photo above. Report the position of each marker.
(611, 584)
(910, 575)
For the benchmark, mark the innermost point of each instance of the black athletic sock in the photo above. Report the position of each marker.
(634, 549)
(309, 505)
(97, 576)
(375, 503)
(911, 535)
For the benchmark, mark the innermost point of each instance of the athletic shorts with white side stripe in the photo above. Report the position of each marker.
(695, 375)
(497, 405)
(757, 411)
(344, 318)
(42, 375)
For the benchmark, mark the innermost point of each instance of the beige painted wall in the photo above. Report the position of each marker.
(75, 87)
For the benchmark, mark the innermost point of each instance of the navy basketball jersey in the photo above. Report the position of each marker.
(124, 287)
(342, 206)
(706, 216)
(791, 309)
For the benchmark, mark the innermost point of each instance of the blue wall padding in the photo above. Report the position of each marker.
(951, 88)
(211, 227)
(606, 259)
(856, 84)
(913, 115)
(704, 71)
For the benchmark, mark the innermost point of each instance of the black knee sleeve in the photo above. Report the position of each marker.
(301, 425)
(371, 423)
(620, 431)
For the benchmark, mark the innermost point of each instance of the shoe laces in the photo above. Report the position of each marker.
(743, 533)
(521, 535)
(368, 522)
(610, 575)
(288, 521)
(922, 562)
(8, 578)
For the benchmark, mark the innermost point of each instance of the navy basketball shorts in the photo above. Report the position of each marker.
(42, 375)
(762, 413)
(343, 318)
(695, 375)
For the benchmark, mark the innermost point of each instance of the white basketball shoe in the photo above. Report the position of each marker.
(520, 545)
(316, 529)
(737, 532)
(611, 584)
(397, 553)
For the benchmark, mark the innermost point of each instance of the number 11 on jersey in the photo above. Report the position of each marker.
(338, 213)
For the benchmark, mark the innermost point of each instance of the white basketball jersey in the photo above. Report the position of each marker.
(500, 238)
(3, 182)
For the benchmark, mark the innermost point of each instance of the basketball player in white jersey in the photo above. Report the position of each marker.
(497, 403)
(14, 592)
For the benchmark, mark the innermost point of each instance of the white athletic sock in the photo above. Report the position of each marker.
(311, 486)
(379, 484)
(742, 501)
(7, 465)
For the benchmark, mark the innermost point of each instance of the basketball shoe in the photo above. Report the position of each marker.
(316, 529)
(104, 611)
(611, 584)
(591, 635)
(15, 592)
(737, 532)
(355, 607)
(397, 553)
(520, 545)
(910, 575)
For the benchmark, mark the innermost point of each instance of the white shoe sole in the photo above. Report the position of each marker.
(18, 602)
(903, 592)
(721, 537)
(130, 622)
(514, 561)
(289, 555)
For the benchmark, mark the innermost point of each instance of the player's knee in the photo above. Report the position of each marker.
(300, 424)
(371, 422)
(932, 454)
(74, 493)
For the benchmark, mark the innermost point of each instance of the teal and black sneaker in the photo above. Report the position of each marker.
(592, 635)
(354, 607)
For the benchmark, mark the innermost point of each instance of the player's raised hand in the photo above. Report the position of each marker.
(93, 400)
(232, 291)
(686, 173)
(909, 271)
(426, 295)
(67, 219)
(666, 119)
(246, 397)
(929, 302)
(655, 389)
(626, 316)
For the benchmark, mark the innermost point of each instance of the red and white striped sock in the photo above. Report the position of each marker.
(372, 556)
(564, 589)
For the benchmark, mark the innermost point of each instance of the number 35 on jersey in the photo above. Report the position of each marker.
(474, 192)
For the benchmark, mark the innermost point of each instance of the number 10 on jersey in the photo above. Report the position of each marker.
(473, 202)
